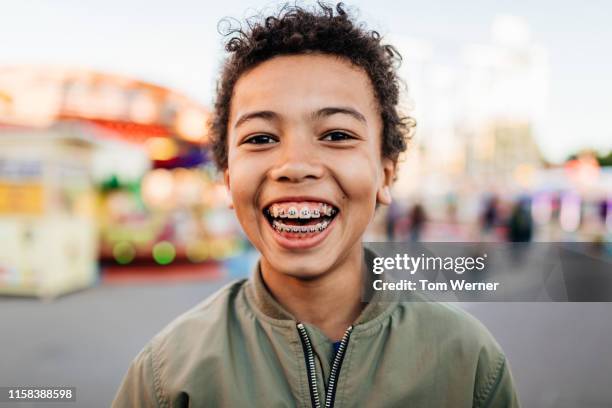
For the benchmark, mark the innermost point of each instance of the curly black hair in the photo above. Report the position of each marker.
(298, 30)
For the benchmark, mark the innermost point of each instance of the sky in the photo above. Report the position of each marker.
(176, 44)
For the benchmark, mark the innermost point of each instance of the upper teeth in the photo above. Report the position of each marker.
(278, 211)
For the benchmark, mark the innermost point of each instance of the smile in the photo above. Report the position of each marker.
(297, 220)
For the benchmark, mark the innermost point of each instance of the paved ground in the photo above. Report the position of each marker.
(561, 354)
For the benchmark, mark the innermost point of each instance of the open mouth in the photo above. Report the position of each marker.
(300, 219)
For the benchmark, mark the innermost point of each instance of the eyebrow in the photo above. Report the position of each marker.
(321, 113)
(334, 110)
(265, 115)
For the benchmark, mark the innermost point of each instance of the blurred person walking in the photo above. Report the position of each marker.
(417, 219)
(520, 223)
(489, 218)
(391, 220)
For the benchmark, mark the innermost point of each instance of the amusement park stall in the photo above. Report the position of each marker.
(47, 230)
(99, 170)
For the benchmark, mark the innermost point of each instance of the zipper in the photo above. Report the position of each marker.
(330, 394)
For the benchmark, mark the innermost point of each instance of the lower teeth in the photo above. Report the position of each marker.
(302, 229)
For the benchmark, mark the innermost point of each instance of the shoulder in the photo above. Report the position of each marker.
(448, 322)
(203, 319)
(200, 333)
(461, 341)
(455, 334)
(187, 350)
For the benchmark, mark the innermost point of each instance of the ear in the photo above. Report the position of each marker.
(226, 181)
(383, 195)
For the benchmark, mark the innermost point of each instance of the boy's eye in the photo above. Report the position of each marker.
(336, 136)
(260, 139)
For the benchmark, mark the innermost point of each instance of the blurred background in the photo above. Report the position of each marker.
(108, 195)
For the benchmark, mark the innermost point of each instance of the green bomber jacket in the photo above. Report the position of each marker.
(240, 348)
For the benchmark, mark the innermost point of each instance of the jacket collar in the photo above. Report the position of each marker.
(263, 299)
(260, 295)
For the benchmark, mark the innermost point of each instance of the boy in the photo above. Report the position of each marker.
(307, 134)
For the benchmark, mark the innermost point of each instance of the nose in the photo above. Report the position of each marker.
(297, 160)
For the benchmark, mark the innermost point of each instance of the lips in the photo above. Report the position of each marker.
(300, 219)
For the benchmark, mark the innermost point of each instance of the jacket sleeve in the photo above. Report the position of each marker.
(140, 385)
(497, 387)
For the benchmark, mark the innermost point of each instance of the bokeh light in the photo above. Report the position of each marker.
(161, 148)
(124, 252)
(164, 253)
(197, 251)
(158, 188)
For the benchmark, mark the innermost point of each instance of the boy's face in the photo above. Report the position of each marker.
(305, 169)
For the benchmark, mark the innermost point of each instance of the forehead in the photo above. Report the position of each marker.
(304, 83)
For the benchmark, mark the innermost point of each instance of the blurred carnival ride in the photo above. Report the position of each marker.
(99, 167)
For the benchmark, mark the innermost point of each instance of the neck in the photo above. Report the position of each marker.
(331, 301)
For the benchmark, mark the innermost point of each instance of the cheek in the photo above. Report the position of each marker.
(244, 190)
(358, 178)
(245, 177)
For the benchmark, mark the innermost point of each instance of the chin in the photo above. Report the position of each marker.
(302, 266)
